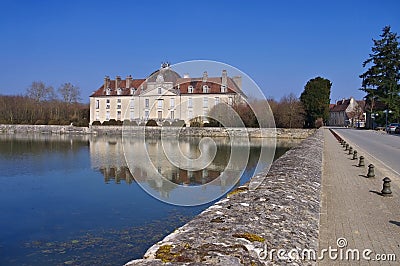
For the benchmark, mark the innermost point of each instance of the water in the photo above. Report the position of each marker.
(73, 200)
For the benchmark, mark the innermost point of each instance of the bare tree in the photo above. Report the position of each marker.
(69, 93)
(39, 92)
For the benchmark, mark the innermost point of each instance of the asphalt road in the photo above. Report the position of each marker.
(381, 146)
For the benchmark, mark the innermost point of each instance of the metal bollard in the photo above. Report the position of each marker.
(361, 162)
(344, 143)
(350, 150)
(386, 187)
(347, 147)
(371, 170)
(355, 155)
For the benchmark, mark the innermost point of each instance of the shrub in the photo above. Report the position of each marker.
(151, 123)
(40, 122)
(96, 123)
(112, 122)
(166, 124)
(178, 123)
(54, 122)
(195, 124)
(130, 123)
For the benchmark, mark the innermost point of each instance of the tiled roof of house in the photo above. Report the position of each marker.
(134, 83)
(214, 85)
(340, 106)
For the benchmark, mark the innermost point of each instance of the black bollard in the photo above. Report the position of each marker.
(355, 155)
(344, 143)
(347, 147)
(350, 150)
(361, 163)
(371, 170)
(386, 187)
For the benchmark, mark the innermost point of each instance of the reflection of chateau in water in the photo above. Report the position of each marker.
(107, 155)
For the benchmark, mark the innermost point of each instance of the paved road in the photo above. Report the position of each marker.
(352, 209)
(383, 147)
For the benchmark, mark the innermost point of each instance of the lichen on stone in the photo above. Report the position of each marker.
(250, 237)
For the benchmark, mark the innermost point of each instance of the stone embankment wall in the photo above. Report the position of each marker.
(242, 229)
(156, 131)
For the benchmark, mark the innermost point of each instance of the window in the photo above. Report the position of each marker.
(97, 104)
(118, 100)
(118, 115)
(132, 115)
(108, 101)
(190, 114)
(230, 100)
(159, 115)
(190, 103)
(146, 103)
(216, 100)
(205, 89)
(205, 102)
(146, 114)
(190, 89)
(108, 115)
(132, 91)
(160, 103)
(172, 102)
(223, 88)
(108, 91)
(119, 91)
(159, 90)
(132, 104)
(118, 103)
(108, 104)
(97, 116)
(172, 115)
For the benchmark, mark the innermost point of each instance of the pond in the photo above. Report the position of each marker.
(79, 200)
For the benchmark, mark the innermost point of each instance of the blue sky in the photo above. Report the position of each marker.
(279, 44)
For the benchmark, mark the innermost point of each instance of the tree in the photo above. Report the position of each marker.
(69, 93)
(315, 99)
(39, 92)
(289, 112)
(381, 80)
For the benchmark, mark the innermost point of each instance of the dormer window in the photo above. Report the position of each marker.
(223, 89)
(190, 89)
(159, 90)
(108, 91)
(205, 89)
(119, 91)
(133, 91)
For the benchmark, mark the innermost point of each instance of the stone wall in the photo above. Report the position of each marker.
(281, 213)
(156, 131)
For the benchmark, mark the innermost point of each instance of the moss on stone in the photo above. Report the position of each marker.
(164, 253)
(250, 237)
(236, 191)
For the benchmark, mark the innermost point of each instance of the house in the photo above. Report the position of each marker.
(347, 112)
(163, 96)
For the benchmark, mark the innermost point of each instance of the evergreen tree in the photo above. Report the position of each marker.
(381, 80)
(315, 99)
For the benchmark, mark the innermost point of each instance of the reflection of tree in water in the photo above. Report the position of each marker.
(40, 144)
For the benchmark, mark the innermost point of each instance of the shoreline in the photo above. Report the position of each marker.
(281, 133)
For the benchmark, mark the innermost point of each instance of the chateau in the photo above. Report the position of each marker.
(164, 96)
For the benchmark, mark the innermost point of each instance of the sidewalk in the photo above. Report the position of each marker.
(352, 209)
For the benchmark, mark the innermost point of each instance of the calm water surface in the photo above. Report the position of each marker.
(73, 200)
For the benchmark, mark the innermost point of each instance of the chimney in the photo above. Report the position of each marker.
(205, 76)
(106, 82)
(117, 81)
(128, 81)
(224, 78)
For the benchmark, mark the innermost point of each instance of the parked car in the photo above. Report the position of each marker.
(391, 128)
(397, 130)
